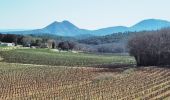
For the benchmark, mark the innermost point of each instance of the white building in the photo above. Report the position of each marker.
(7, 44)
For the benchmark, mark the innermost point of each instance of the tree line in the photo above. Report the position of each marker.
(29, 41)
(11, 38)
(151, 48)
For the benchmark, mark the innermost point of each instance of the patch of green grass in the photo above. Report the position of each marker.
(48, 57)
(1, 46)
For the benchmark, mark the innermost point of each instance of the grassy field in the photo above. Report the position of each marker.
(35, 82)
(42, 74)
(48, 57)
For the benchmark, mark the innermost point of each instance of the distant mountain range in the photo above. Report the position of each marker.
(68, 29)
(13, 30)
(145, 25)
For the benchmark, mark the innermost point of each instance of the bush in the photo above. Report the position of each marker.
(66, 45)
(151, 48)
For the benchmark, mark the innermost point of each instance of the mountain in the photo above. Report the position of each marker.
(12, 30)
(66, 28)
(145, 25)
(110, 30)
(150, 24)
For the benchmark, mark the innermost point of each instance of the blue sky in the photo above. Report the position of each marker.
(88, 14)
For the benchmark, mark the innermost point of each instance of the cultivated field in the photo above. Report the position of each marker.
(48, 57)
(27, 82)
(46, 75)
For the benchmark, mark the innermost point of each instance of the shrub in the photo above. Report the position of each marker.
(66, 45)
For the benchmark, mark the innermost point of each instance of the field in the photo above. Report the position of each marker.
(48, 57)
(20, 82)
(37, 74)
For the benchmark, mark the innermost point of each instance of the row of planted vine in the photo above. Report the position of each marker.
(65, 83)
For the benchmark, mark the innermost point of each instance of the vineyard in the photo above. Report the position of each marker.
(47, 57)
(28, 74)
(35, 82)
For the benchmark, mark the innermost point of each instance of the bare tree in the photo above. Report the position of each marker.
(151, 48)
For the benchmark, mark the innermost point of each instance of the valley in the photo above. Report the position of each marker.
(84, 50)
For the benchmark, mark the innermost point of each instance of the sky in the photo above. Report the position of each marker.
(86, 14)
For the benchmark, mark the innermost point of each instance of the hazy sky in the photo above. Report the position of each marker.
(89, 14)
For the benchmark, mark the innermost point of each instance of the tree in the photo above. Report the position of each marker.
(1, 36)
(53, 45)
(63, 46)
(27, 41)
(66, 45)
(71, 45)
(10, 38)
(20, 39)
(151, 48)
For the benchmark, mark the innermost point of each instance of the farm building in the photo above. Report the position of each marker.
(7, 44)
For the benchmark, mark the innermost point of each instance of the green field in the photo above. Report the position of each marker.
(48, 57)
(1, 46)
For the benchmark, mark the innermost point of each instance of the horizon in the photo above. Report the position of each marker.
(87, 14)
(2, 30)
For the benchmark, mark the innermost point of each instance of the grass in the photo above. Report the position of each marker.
(1, 46)
(48, 57)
